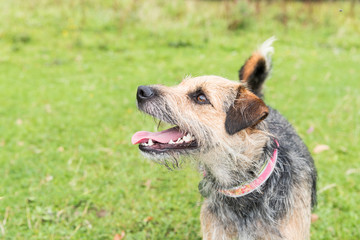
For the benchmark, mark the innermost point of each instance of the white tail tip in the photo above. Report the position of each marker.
(266, 49)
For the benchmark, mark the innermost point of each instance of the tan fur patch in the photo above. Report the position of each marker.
(212, 230)
(297, 225)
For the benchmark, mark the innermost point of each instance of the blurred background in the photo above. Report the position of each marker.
(69, 70)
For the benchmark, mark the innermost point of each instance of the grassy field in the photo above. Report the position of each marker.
(68, 77)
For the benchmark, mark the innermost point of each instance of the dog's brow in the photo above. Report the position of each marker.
(197, 91)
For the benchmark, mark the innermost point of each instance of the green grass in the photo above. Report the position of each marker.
(68, 77)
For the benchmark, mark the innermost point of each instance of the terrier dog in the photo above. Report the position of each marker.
(259, 177)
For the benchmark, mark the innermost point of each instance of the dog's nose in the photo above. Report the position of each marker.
(144, 93)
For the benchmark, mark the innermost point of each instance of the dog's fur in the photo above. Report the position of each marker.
(235, 134)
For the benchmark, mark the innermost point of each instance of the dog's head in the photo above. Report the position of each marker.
(215, 121)
(207, 112)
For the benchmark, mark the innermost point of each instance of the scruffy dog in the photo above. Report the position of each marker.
(259, 178)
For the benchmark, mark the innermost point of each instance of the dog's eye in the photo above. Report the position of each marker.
(201, 99)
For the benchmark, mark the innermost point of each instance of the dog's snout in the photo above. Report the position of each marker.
(145, 93)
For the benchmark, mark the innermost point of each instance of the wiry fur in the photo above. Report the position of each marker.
(281, 207)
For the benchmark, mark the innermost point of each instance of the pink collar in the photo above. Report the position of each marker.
(247, 188)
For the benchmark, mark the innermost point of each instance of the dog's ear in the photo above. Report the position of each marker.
(246, 111)
(257, 68)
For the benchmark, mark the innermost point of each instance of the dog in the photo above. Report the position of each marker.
(259, 179)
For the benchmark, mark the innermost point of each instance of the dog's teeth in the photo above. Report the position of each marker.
(171, 142)
(187, 138)
(150, 143)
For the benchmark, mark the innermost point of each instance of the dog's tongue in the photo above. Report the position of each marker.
(162, 137)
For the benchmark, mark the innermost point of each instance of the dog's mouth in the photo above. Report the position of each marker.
(172, 139)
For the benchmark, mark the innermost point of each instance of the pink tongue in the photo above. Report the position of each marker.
(162, 137)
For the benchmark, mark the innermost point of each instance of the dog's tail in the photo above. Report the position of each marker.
(257, 68)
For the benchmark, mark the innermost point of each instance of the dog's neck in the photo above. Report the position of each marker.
(262, 206)
(233, 179)
(248, 187)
